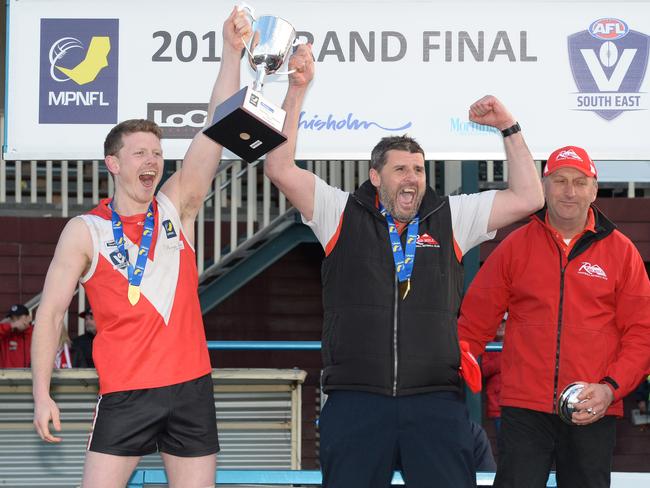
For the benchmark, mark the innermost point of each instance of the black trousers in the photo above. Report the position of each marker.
(530, 442)
(364, 437)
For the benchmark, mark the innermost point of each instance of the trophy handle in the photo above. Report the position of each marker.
(251, 13)
(295, 43)
(249, 10)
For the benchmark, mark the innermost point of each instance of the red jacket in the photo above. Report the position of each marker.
(491, 369)
(581, 318)
(15, 347)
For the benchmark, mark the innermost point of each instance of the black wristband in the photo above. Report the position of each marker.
(513, 129)
(610, 381)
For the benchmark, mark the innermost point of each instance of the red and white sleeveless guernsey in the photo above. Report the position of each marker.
(160, 340)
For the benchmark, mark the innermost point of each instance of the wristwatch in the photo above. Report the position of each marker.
(513, 129)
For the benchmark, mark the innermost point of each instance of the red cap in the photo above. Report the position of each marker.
(571, 157)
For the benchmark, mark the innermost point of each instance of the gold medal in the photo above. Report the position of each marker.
(405, 287)
(134, 294)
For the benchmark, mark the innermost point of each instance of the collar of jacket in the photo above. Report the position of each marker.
(366, 195)
(602, 225)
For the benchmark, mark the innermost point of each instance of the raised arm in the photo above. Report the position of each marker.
(71, 259)
(297, 184)
(188, 187)
(524, 194)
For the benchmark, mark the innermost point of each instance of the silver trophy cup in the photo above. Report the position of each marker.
(568, 401)
(247, 123)
(268, 48)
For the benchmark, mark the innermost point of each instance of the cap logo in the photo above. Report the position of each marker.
(569, 154)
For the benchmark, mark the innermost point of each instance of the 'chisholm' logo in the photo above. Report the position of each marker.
(594, 270)
(608, 63)
(349, 122)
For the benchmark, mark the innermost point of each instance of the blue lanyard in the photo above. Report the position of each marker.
(135, 274)
(404, 259)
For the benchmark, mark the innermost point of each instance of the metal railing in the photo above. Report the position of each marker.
(143, 478)
(242, 202)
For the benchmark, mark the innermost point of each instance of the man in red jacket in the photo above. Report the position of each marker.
(16, 338)
(578, 299)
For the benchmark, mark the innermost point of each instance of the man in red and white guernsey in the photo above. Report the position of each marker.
(392, 282)
(134, 255)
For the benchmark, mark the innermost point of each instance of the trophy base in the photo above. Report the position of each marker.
(248, 125)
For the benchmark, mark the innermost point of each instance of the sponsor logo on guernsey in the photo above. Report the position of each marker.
(425, 240)
(592, 270)
(118, 260)
(110, 243)
(169, 228)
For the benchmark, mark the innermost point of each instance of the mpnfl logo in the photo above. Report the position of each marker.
(178, 120)
(608, 62)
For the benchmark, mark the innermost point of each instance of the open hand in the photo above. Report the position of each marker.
(44, 411)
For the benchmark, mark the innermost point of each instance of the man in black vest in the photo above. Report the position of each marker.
(392, 284)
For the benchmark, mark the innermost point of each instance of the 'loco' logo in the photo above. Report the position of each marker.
(78, 82)
(608, 63)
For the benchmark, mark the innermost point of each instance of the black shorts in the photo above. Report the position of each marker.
(179, 420)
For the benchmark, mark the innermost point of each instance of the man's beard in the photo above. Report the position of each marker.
(388, 201)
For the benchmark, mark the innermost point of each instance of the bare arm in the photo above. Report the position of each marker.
(71, 259)
(188, 187)
(297, 184)
(524, 194)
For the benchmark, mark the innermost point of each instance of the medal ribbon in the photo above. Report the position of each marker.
(135, 273)
(404, 260)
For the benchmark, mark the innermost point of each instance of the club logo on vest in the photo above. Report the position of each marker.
(608, 62)
(169, 228)
(593, 270)
(425, 240)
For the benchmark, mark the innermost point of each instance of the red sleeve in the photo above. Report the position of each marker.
(490, 364)
(633, 320)
(486, 300)
(5, 329)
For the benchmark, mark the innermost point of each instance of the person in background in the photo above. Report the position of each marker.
(483, 456)
(16, 337)
(82, 346)
(642, 396)
(491, 369)
(63, 359)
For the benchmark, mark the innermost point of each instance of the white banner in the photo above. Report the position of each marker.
(570, 72)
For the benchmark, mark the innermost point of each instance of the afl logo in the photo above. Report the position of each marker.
(608, 29)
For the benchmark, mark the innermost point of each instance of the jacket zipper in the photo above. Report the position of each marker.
(395, 309)
(395, 360)
(559, 334)
(374, 211)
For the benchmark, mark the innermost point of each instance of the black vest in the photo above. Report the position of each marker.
(372, 339)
